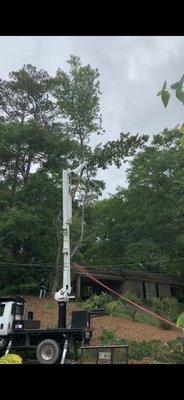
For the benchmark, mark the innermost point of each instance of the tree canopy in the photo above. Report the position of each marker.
(46, 123)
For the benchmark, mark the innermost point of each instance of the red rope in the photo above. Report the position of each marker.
(84, 272)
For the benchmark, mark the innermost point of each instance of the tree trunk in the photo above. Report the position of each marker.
(26, 176)
(14, 183)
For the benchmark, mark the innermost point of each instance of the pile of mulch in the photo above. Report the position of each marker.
(145, 360)
(126, 329)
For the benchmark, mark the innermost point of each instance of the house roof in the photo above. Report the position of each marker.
(121, 274)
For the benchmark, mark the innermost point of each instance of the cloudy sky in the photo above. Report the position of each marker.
(132, 70)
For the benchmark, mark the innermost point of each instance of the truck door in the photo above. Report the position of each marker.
(6, 319)
(2, 308)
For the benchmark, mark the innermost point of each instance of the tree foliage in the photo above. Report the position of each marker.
(142, 226)
(46, 124)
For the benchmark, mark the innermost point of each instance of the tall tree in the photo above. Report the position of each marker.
(142, 226)
(78, 95)
(46, 125)
(27, 94)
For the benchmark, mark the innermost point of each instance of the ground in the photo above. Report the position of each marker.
(46, 311)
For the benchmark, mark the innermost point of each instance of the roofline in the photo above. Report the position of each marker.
(126, 277)
(108, 277)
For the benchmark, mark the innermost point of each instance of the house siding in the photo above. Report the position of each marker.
(164, 290)
(136, 286)
(133, 286)
(123, 283)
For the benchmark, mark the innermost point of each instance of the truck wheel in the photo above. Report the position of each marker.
(48, 352)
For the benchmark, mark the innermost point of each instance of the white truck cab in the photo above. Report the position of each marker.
(11, 310)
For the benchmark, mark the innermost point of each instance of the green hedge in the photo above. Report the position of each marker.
(165, 353)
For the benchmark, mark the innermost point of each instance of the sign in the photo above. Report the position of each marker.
(104, 357)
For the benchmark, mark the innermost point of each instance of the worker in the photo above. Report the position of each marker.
(42, 288)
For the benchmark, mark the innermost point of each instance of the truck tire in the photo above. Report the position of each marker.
(48, 352)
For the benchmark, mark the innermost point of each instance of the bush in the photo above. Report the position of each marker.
(165, 353)
(11, 359)
(25, 288)
(133, 297)
(180, 320)
(114, 307)
(166, 307)
(96, 301)
(109, 337)
(131, 309)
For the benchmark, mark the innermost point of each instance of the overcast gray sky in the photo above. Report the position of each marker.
(132, 70)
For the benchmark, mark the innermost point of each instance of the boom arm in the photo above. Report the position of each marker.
(64, 293)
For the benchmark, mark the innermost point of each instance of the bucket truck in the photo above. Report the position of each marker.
(18, 329)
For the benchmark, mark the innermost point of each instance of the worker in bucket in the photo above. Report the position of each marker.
(42, 289)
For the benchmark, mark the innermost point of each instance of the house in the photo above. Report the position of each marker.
(144, 284)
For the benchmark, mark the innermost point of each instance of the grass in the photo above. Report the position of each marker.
(140, 317)
(47, 306)
(147, 319)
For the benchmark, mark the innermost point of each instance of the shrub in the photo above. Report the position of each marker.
(11, 359)
(25, 288)
(166, 307)
(133, 297)
(109, 337)
(165, 353)
(180, 320)
(131, 309)
(114, 307)
(96, 301)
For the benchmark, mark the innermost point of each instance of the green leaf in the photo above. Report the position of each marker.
(182, 142)
(180, 95)
(180, 320)
(163, 88)
(164, 85)
(178, 84)
(165, 97)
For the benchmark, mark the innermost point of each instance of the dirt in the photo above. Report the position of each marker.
(145, 360)
(46, 310)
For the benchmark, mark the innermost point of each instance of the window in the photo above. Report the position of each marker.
(174, 291)
(151, 290)
(17, 309)
(2, 306)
